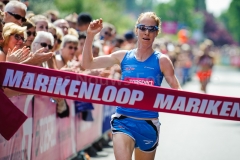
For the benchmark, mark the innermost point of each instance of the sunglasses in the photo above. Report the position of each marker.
(55, 36)
(17, 16)
(59, 41)
(71, 47)
(108, 34)
(64, 27)
(5, 2)
(29, 33)
(18, 37)
(45, 45)
(149, 28)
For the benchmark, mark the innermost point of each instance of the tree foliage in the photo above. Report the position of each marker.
(179, 11)
(231, 19)
(109, 10)
(40, 6)
(200, 5)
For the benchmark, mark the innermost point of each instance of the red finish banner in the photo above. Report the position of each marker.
(37, 80)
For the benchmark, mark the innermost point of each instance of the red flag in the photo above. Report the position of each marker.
(11, 118)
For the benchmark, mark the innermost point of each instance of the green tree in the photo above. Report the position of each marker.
(231, 19)
(69, 6)
(176, 10)
(200, 5)
(111, 11)
(40, 6)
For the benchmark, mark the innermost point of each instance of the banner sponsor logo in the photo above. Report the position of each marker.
(143, 81)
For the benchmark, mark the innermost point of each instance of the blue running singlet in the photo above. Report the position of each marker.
(147, 72)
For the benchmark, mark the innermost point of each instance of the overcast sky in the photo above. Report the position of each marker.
(216, 7)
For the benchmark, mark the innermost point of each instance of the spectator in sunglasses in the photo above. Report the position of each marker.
(67, 50)
(13, 38)
(15, 12)
(43, 41)
(63, 24)
(41, 22)
(31, 33)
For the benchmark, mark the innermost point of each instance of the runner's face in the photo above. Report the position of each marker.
(146, 36)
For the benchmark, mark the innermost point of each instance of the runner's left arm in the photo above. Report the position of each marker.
(168, 72)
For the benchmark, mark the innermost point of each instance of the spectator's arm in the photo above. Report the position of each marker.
(38, 57)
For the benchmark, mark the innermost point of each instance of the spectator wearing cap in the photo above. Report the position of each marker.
(15, 12)
(83, 21)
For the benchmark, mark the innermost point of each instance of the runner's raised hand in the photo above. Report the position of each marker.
(95, 27)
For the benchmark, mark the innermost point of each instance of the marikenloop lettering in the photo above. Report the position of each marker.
(143, 95)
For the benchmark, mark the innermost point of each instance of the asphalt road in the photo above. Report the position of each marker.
(193, 138)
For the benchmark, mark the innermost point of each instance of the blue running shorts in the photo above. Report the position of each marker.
(145, 133)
